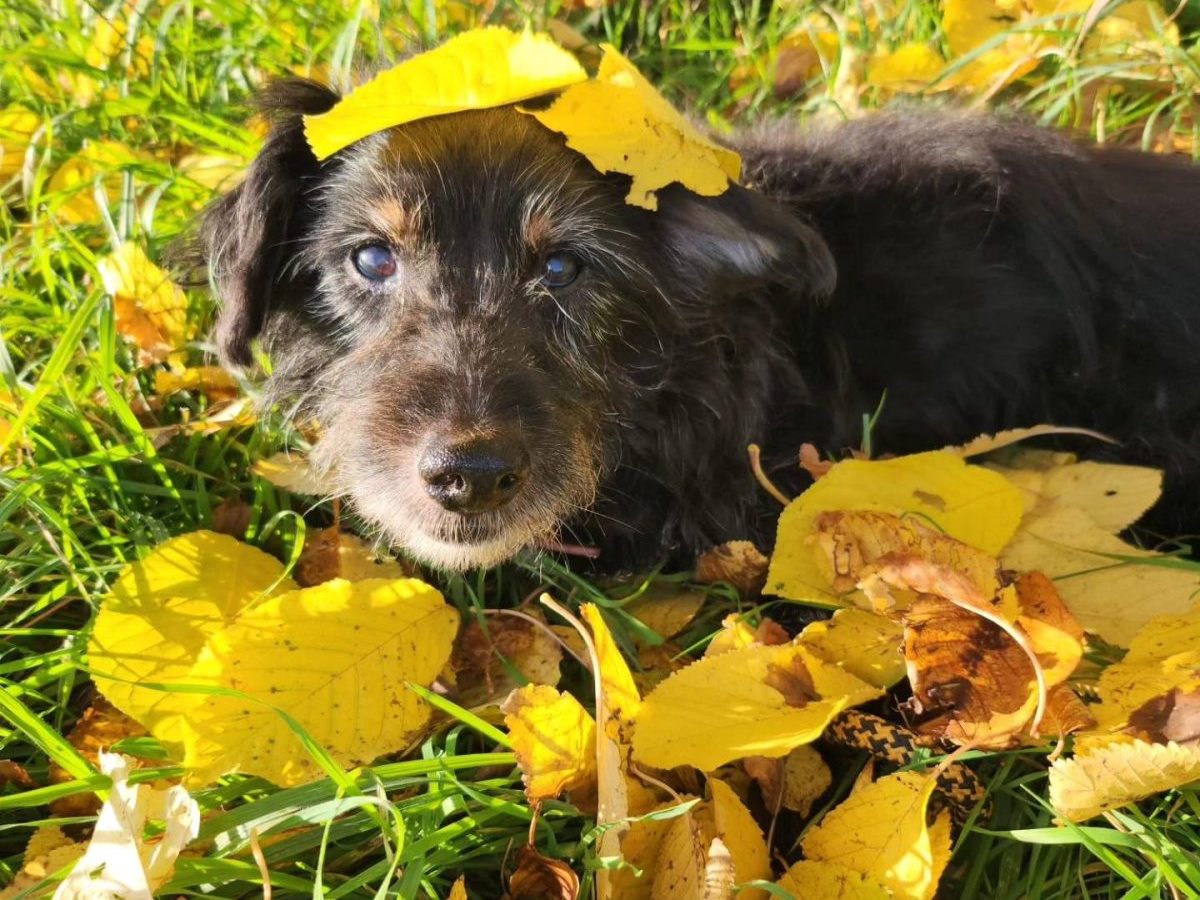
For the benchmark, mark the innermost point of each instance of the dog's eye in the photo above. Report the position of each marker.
(375, 262)
(560, 269)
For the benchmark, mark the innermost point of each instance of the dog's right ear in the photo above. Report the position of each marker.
(248, 236)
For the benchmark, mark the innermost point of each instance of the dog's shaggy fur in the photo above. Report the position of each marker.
(984, 273)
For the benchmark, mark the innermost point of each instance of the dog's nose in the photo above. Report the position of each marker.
(475, 476)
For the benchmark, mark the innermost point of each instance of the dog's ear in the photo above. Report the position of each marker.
(742, 240)
(248, 236)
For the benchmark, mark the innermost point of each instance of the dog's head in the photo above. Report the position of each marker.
(469, 310)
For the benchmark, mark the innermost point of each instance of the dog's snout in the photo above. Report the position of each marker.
(474, 476)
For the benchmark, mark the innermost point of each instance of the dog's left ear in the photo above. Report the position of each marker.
(742, 240)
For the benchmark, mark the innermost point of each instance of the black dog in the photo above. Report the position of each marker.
(502, 353)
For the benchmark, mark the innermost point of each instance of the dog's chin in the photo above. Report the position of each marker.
(459, 555)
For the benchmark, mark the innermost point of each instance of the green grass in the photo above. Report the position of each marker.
(89, 480)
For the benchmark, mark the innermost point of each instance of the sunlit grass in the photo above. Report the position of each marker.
(95, 468)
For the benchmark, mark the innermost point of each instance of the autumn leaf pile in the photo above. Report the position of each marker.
(209, 683)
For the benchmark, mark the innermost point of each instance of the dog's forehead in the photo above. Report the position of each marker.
(487, 171)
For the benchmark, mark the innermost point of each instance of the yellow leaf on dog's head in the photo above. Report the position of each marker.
(756, 701)
(478, 69)
(160, 612)
(554, 739)
(622, 124)
(880, 832)
(1112, 776)
(970, 503)
(335, 657)
(150, 308)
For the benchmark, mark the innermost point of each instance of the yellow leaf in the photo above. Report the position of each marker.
(622, 124)
(641, 848)
(118, 862)
(1120, 773)
(292, 472)
(482, 68)
(621, 697)
(159, 613)
(863, 643)
(1113, 496)
(736, 632)
(812, 878)
(48, 851)
(217, 173)
(682, 860)
(909, 67)
(880, 832)
(554, 739)
(741, 836)
(72, 186)
(17, 127)
(666, 609)
(986, 443)
(150, 308)
(335, 657)
(970, 24)
(723, 707)
(806, 777)
(967, 502)
(1110, 597)
(739, 563)
(1163, 659)
(213, 381)
(458, 890)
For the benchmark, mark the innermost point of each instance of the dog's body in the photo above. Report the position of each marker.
(503, 353)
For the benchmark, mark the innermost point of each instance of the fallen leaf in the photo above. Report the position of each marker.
(232, 516)
(666, 609)
(17, 127)
(151, 310)
(722, 708)
(49, 851)
(806, 777)
(682, 860)
(740, 835)
(910, 67)
(481, 68)
(332, 553)
(986, 443)
(12, 772)
(1113, 496)
(805, 54)
(865, 644)
(118, 862)
(539, 877)
(292, 472)
(159, 613)
(554, 739)
(358, 644)
(1110, 777)
(736, 562)
(485, 662)
(622, 124)
(458, 890)
(216, 172)
(966, 502)
(99, 727)
(879, 831)
(812, 878)
(71, 190)
(214, 382)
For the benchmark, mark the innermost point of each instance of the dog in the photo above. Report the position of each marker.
(503, 354)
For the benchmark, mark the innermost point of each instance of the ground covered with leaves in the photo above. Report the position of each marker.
(211, 684)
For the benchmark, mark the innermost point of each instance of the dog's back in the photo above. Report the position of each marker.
(993, 274)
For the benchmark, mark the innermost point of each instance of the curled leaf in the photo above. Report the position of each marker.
(1112, 776)
(554, 739)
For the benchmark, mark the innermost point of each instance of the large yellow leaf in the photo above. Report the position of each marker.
(967, 502)
(554, 739)
(1113, 496)
(1120, 773)
(641, 849)
(622, 124)
(812, 878)
(478, 69)
(683, 857)
(1110, 597)
(865, 644)
(151, 309)
(161, 611)
(756, 701)
(880, 832)
(910, 67)
(336, 658)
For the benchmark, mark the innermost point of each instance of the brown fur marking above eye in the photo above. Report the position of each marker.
(539, 231)
(395, 221)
